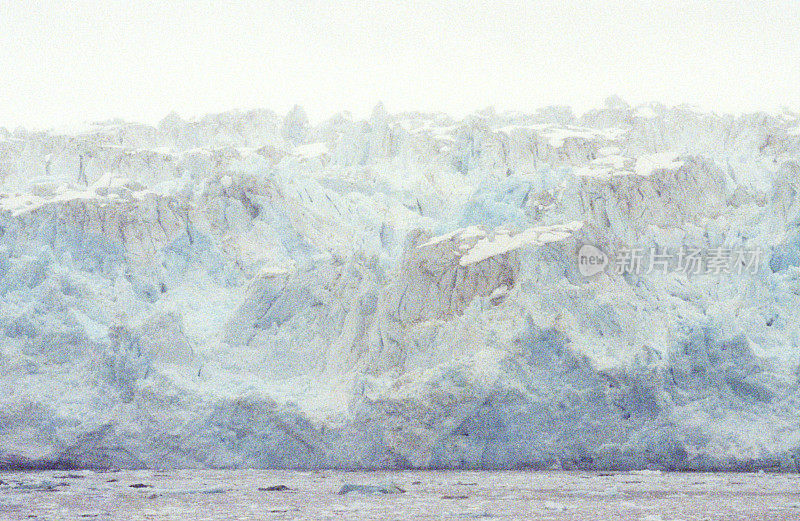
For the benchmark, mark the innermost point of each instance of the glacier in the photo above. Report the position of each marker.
(247, 289)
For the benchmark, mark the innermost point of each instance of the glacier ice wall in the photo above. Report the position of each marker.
(247, 289)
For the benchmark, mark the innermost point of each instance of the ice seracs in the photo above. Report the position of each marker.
(248, 289)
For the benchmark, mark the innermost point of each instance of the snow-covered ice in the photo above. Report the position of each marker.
(250, 290)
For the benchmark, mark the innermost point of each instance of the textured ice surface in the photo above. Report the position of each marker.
(246, 495)
(250, 290)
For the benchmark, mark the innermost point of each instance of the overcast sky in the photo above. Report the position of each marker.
(65, 62)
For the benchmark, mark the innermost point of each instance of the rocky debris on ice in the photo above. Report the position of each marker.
(246, 289)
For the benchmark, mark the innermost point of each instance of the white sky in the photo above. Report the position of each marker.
(66, 62)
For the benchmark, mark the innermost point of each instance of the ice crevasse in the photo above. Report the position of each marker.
(252, 290)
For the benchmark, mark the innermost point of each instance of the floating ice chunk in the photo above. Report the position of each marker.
(370, 489)
(554, 505)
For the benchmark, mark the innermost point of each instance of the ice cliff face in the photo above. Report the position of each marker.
(250, 290)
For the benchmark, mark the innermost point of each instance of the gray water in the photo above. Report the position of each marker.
(235, 495)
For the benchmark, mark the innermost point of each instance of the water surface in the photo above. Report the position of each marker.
(243, 495)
